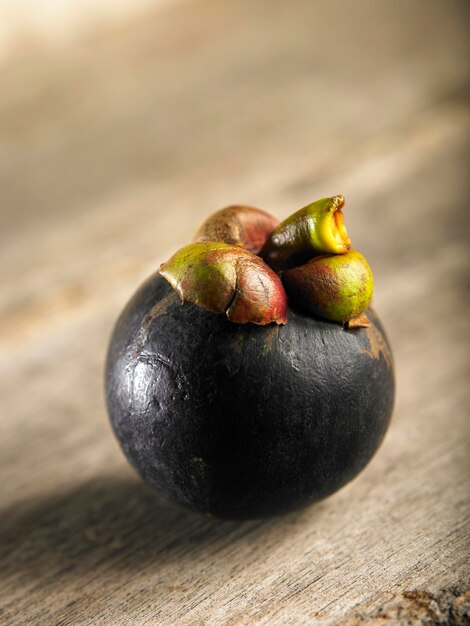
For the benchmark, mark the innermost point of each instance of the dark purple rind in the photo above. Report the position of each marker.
(244, 421)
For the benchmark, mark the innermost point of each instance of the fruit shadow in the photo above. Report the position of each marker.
(116, 523)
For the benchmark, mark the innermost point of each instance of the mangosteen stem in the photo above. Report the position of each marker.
(234, 266)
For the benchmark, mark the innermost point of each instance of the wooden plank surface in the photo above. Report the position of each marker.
(111, 153)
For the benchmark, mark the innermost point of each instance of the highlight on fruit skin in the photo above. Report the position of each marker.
(238, 224)
(337, 287)
(314, 230)
(225, 278)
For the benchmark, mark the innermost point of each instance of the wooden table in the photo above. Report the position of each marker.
(112, 150)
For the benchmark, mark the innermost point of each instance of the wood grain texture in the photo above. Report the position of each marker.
(111, 154)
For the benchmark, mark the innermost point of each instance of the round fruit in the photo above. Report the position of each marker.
(244, 421)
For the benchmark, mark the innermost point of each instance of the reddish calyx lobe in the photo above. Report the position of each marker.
(227, 279)
(238, 225)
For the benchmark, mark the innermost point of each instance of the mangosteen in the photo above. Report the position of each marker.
(249, 376)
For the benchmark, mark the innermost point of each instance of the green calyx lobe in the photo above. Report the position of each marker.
(338, 288)
(316, 229)
(227, 279)
(240, 253)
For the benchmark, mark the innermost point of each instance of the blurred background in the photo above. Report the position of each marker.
(124, 123)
